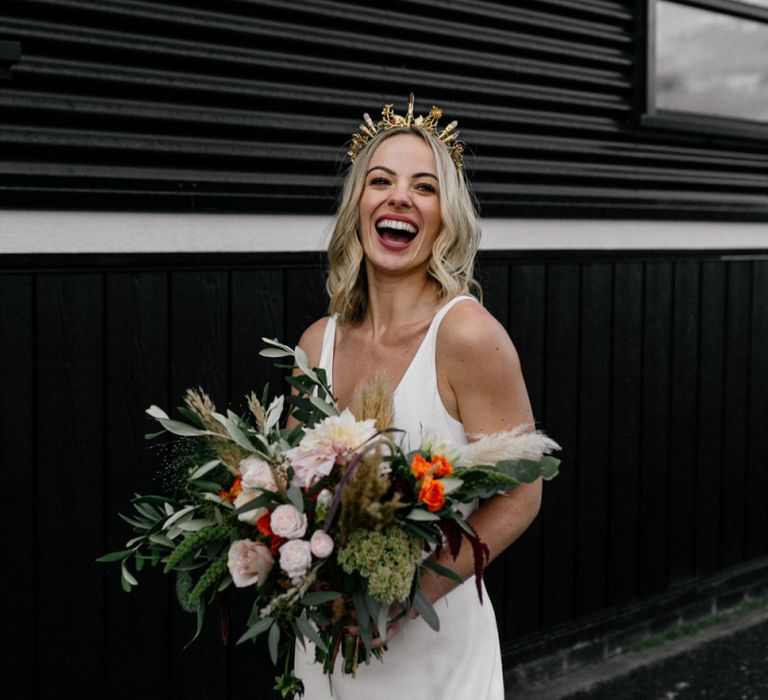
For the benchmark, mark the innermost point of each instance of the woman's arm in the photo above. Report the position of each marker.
(479, 375)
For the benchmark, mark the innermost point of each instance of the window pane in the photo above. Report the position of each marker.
(711, 63)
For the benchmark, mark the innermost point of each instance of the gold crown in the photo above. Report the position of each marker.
(448, 136)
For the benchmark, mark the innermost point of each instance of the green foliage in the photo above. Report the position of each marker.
(211, 575)
(195, 542)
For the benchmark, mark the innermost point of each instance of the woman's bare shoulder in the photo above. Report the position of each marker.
(469, 328)
(311, 341)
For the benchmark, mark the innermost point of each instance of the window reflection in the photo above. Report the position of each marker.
(711, 63)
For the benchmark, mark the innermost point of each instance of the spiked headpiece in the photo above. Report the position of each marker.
(449, 136)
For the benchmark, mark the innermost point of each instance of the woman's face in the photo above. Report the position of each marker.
(400, 205)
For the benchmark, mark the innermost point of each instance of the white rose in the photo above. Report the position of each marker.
(250, 516)
(295, 559)
(321, 544)
(287, 522)
(257, 474)
(249, 562)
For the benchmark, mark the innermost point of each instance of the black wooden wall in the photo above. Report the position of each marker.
(245, 105)
(650, 370)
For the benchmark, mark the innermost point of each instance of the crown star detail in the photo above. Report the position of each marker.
(449, 136)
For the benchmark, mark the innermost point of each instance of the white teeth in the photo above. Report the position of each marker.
(397, 225)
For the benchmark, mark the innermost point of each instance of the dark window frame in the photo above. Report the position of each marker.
(652, 117)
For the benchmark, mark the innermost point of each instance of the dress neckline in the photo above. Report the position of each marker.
(435, 319)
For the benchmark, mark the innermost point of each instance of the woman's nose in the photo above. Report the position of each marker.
(400, 197)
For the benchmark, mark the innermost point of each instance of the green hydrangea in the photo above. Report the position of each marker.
(387, 559)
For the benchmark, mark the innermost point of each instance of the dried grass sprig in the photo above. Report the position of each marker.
(228, 452)
(374, 400)
(257, 410)
(521, 443)
(362, 505)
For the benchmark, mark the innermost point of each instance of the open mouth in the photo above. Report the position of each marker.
(396, 232)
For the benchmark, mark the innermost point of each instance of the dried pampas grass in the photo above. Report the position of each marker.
(521, 443)
(374, 400)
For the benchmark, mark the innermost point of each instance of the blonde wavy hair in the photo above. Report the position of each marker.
(453, 252)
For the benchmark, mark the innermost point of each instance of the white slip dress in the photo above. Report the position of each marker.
(460, 662)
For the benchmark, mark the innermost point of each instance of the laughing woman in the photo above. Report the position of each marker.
(401, 260)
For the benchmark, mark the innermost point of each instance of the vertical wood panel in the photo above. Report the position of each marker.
(594, 437)
(257, 312)
(710, 411)
(499, 579)
(652, 557)
(735, 399)
(305, 300)
(623, 506)
(17, 457)
(683, 403)
(199, 356)
(70, 397)
(757, 447)
(561, 394)
(137, 377)
(527, 316)
(652, 378)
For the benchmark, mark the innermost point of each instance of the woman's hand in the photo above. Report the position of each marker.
(398, 618)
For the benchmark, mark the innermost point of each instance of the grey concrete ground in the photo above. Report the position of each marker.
(726, 660)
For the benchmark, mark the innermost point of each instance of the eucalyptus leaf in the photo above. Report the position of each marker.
(161, 539)
(273, 642)
(178, 428)
(235, 433)
(302, 362)
(442, 570)
(306, 628)
(421, 514)
(202, 470)
(296, 498)
(319, 597)
(177, 515)
(424, 608)
(114, 556)
(128, 576)
(156, 412)
(324, 406)
(195, 525)
(274, 412)
(274, 353)
(135, 523)
(451, 484)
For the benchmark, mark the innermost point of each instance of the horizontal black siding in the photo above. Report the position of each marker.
(246, 107)
(650, 370)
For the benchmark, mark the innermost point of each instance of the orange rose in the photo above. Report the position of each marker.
(419, 466)
(442, 466)
(233, 492)
(432, 494)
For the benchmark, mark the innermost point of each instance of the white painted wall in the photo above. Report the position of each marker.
(98, 232)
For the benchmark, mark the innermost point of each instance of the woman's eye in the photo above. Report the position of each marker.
(379, 181)
(426, 187)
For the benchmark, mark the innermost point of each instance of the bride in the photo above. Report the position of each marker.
(400, 274)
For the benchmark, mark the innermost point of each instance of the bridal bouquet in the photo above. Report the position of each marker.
(325, 525)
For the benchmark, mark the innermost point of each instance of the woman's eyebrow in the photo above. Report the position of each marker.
(392, 172)
(381, 167)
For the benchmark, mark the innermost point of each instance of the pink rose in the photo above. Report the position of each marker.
(321, 544)
(250, 516)
(249, 562)
(287, 522)
(295, 559)
(257, 474)
(310, 465)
